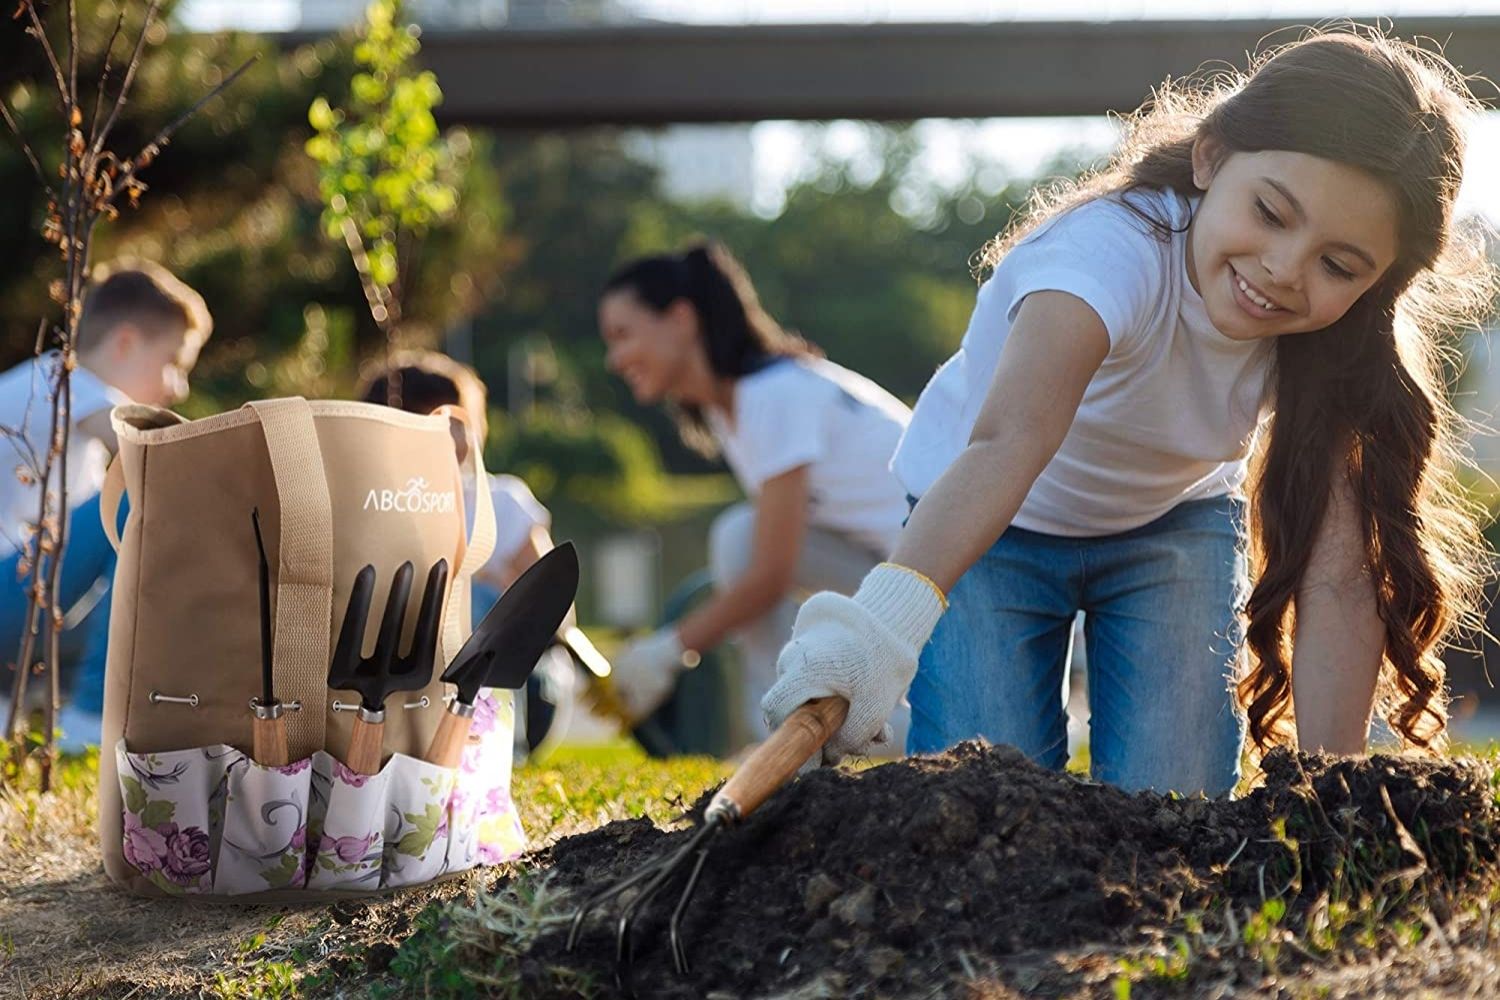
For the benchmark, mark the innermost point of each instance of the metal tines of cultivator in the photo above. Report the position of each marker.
(771, 765)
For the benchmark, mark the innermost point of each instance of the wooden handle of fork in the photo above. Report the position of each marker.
(775, 761)
(365, 746)
(268, 742)
(447, 746)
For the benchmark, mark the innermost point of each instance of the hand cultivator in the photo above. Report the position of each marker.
(769, 767)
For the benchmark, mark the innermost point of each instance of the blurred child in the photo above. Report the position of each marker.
(138, 338)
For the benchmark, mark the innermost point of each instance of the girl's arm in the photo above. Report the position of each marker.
(865, 649)
(1339, 640)
(780, 523)
(1055, 346)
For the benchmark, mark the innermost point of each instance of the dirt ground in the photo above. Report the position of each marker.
(928, 877)
(972, 874)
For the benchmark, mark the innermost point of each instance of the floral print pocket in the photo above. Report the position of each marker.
(264, 843)
(173, 814)
(210, 820)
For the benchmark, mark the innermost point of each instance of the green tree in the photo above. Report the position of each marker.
(386, 174)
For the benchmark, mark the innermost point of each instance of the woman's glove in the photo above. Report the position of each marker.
(863, 648)
(645, 671)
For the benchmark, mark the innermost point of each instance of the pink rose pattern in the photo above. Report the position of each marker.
(183, 856)
(180, 855)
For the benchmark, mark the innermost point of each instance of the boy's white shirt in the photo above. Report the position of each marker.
(26, 411)
(1170, 416)
(844, 427)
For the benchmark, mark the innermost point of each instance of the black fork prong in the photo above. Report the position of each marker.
(679, 951)
(423, 653)
(390, 622)
(346, 654)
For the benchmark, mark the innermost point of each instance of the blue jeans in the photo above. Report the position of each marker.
(88, 560)
(1163, 633)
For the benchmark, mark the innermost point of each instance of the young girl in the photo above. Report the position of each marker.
(1264, 263)
(810, 443)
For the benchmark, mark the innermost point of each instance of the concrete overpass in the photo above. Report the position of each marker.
(654, 74)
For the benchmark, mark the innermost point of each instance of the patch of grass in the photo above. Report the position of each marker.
(474, 945)
(584, 788)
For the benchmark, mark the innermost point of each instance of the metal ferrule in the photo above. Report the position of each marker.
(722, 810)
(371, 715)
(265, 711)
(461, 710)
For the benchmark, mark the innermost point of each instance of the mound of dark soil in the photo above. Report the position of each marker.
(899, 879)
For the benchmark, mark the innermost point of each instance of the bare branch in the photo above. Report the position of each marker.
(109, 51)
(165, 135)
(39, 30)
(15, 130)
(73, 51)
(135, 61)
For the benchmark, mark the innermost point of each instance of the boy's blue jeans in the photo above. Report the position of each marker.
(1163, 634)
(87, 559)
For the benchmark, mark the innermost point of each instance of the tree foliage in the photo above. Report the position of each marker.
(386, 174)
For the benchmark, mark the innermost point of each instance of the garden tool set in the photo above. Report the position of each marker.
(379, 676)
(771, 765)
(505, 648)
(242, 679)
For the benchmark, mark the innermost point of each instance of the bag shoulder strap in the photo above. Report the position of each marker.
(304, 576)
(481, 545)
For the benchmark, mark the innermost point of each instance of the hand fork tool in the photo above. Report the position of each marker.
(384, 673)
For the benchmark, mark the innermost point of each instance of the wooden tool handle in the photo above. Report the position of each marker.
(269, 742)
(447, 747)
(364, 747)
(775, 761)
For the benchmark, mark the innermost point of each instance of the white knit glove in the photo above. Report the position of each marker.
(863, 648)
(645, 671)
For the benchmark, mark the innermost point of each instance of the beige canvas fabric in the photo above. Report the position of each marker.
(338, 485)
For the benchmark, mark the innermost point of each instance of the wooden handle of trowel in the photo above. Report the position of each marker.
(268, 742)
(447, 747)
(365, 745)
(775, 761)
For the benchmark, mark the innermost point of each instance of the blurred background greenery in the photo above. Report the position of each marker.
(511, 281)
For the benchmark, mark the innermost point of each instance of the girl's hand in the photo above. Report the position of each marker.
(862, 648)
(645, 671)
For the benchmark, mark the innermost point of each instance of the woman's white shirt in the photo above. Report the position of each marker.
(844, 427)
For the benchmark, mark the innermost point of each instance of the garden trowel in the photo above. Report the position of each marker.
(385, 673)
(506, 646)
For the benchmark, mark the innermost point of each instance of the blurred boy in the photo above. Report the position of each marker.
(138, 338)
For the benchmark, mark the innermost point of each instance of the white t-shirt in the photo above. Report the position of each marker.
(1170, 416)
(808, 411)
(26, 416)
(517, 511)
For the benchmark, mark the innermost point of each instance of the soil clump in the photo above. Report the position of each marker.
(913, 878)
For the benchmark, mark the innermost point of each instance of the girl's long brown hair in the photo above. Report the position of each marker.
(1365, 397)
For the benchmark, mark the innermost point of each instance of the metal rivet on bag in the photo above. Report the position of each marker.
(156, 698)
(287, 706)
